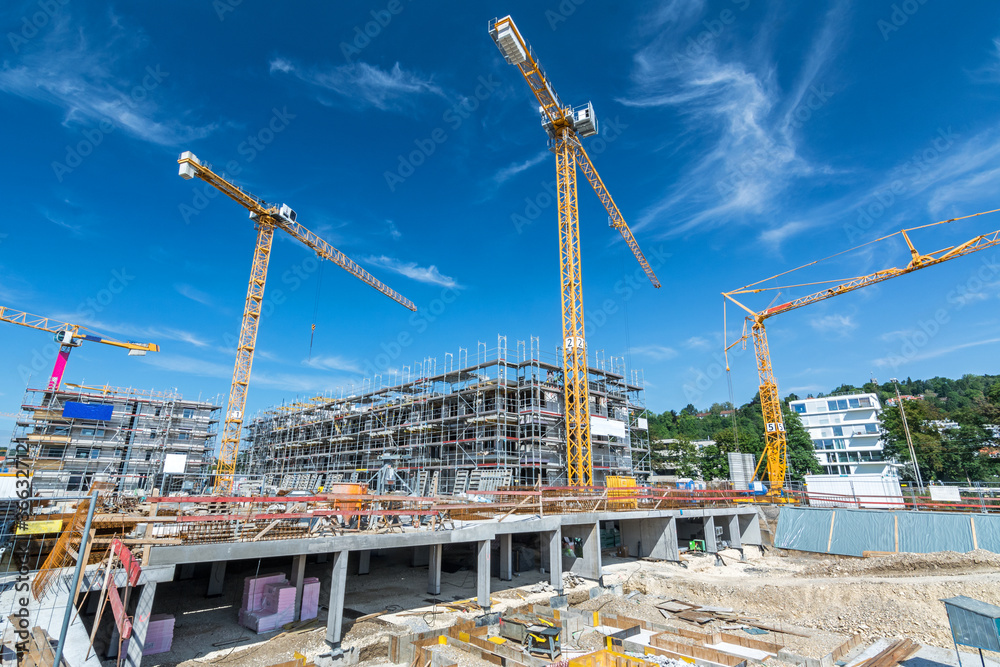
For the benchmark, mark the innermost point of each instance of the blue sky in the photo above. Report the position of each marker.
(739, 138)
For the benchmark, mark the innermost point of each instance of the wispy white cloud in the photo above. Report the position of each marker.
(697, 343)
(393, 230)
(838, 324)
(361, 84)
(734, 105)
(429, 274)
(895, 360)
(333, 363)
(293, 382)
(656, 352)
(516, 168)
(194, 294)
(82, 74)
(777, 235)
(139, 334)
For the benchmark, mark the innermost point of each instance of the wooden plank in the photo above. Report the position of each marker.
(972, 523)
(829, 543)
(771, 628)
(895, 531)
(876, 554)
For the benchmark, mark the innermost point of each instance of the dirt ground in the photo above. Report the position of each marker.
(831, 598)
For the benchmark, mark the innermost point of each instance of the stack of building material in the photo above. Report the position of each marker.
(159, 634)
(268, 603)
(310, 599)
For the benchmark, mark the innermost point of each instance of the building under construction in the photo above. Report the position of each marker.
(496, 420)
(130, 438)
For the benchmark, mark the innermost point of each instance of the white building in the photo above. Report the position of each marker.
(844, 430)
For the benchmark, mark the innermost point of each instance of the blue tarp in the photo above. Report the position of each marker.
(93, 411)
(803, 529)
(856, 531)
(927, 532)
(988, 532)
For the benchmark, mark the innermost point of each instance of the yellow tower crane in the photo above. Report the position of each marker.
(266, 217)
(565, 126)
(68, 336)
(775, 443)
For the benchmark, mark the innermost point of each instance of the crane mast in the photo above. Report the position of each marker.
(267, 217)
(68, 336)
(565, 126)
(775, 456)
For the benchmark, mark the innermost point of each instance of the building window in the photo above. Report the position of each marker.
(60, 430)
(871, 428)
(93, 432)
(53, 451)
(183, 436)
(95, 453)
(149, 455)
(188, 413)
(82, 453)
(838, 430)
(832, 405)
(800, 408)
(865, 402)
(156, 412)
(854, 403)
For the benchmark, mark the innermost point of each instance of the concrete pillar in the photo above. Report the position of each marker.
(298, 577)
(590, 565)
(506, 557)
(421, 556)
(483, 575)
(186, 571)
(338, 585)
(555, 560)
(734, 532)
(216, 579)
(140, 623)
(364, 561)
(434, 569)
(709, 523)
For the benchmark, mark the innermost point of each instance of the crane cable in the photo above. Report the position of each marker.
(857, 247)
(319, 287)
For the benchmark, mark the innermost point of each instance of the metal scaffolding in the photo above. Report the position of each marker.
(495, 421)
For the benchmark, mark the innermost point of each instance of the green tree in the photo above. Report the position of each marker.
(681, 456)
(714, 463)
(802, 459)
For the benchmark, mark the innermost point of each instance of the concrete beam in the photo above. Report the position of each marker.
(140, 623)
(298, 578)
(434, 570)
(483, 575)
(590, 565)
(338, 586)
(734, 531)
(555, 559)
(710, 543)
(216, 579)
(364, 561)
(421, 556)
(506, 557)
